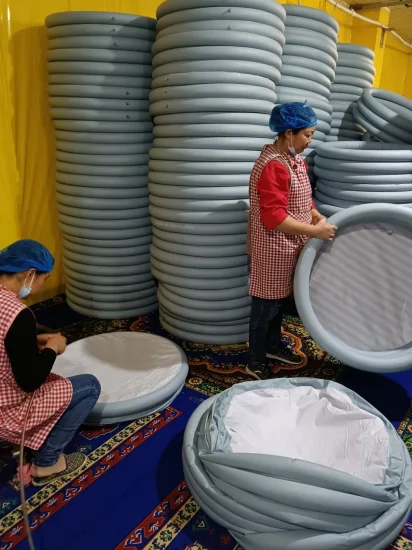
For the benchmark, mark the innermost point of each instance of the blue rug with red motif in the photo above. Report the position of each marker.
(131, 493)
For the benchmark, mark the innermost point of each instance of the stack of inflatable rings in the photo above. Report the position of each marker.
(386, 115)
(353, 173)
(99, 66)
(308, 66)
(355, 72)
(214, 75)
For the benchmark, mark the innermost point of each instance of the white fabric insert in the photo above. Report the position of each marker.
(127, 364)
(320, 426)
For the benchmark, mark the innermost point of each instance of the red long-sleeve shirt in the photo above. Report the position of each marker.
(273, 190)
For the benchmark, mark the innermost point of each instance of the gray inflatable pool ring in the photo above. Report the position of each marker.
(103, 233)
(112, 298)
(99, 68)
(100, 29)
(200, 251)
(210, 90)
(105, 203)
(213, 15)
(389, 129)
(82, 148)
(103, 183)
(108, 261)
(97, 280)
(120, 138)
(93, 91)
(250, 27)
(101, 192)
(98, 56)
(216, 338)
(236, 65)
(209, 264)
(300, 62)
(270, 500)
(103, 126)
(111, 292)
(130, 227)
(189, 310)
(89, 103)
(148, 299)
(311, 13)
(213, 219)
(98, 17)
(199, 193)
(376, 132)
(236, 293)
(201, 155)
(173, 6)
(207, 304)
(197, 284)
(199, 180)
(208, 77)
(109, 252)
(100, 42)
(394, 197)
(204, 38)
(161, 230)
(153, 381)
(393, 352)
(147, 307)
(215, 229)
(198, 278)
(100, 80)
(356, 49)
(378, 186)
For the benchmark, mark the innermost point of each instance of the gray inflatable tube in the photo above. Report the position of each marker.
(131, 356)
(111, 298)
(376, 132)
(270, 501)
(201, 251)
(106, 281)
(93, 91)
(96, 29)
(100, 42)
(182, 67)
(100, 80)
(205, 316)
(103, 138)
(214, 38)
(397, 223)
(218, 338)
(389, 128)
(311, 13)
(162, 231)
(210, 89)
(176, 277)
(237, 327)
(146, 297)
(249, 27)
(197, 262)
(145, 307)
(197, 78)
(99, 17)
(365, 196)
(173, 6)
(236, 293)
(208, 305)
(99, 68)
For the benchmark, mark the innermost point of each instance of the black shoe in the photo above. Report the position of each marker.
(258, 370)
(284, 356)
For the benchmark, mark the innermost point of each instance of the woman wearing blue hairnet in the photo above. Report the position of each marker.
(58, 406)
(282, 218)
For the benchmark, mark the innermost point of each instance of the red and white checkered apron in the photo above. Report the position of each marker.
(50, 400)
(274, 254)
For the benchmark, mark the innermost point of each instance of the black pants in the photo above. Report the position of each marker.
(265, 328)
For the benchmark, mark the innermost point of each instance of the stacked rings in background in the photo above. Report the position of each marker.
(385, 115)
(214, 75)
(309, 63)
(355, 72)
(358, 172)
(99, 66)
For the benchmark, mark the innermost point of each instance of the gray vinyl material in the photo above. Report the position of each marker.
(99, 85)
(214, 76)
(269, 502)
(374, 242)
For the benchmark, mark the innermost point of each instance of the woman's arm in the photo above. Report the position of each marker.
(273, 190)
(30, 366)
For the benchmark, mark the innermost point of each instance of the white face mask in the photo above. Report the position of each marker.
(25, 291)
(292, 150)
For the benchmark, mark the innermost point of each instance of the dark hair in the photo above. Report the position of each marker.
(10, 274)
(294, 132)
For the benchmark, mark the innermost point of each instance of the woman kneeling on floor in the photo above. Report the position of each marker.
(282, 218)
(58, 406)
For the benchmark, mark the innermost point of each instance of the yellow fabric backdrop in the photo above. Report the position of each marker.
(27, 201)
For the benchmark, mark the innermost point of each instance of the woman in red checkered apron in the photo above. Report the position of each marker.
(58, 406)
(282, 218)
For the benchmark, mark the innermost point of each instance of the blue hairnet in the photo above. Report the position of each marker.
(24, 255)
(292, 116)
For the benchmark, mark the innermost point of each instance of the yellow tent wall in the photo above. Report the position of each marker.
(27, 201)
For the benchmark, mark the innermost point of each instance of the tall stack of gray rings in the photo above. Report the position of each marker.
(99, 67)
(355, 72)
(214, 75)
(308, 67)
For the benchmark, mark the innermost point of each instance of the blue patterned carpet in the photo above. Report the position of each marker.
(131, 493)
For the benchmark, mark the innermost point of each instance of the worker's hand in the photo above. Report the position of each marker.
(324, 231)
(42, 340)
(57, 342)
(317, 217)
